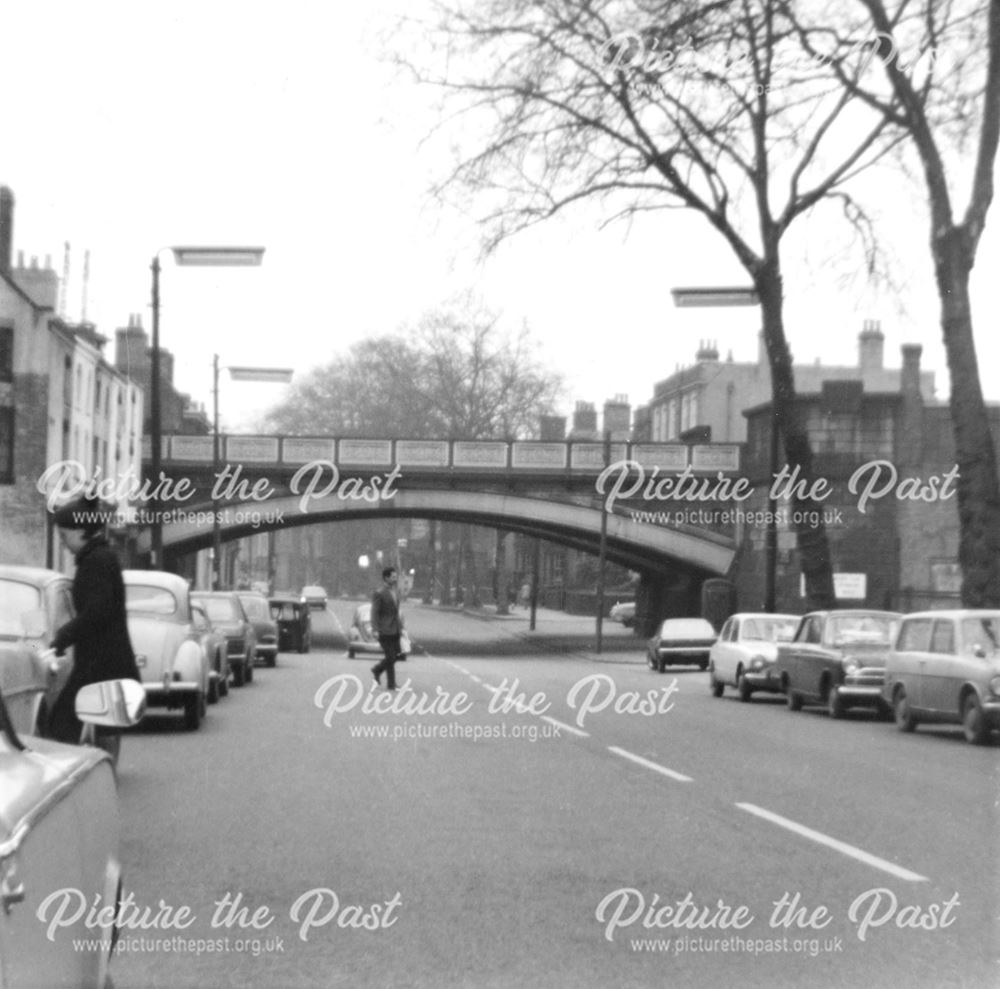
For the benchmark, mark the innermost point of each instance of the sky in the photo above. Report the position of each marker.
(129, 128)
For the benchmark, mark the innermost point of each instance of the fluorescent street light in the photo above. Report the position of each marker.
(721, 296)
(228, 257)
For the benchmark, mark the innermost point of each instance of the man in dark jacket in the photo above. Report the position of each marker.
(388, 625)
(99, 633)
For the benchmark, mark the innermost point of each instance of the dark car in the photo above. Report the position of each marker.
(266, 629)
(291, 614)
(684, 641)
(837, 658)
(226, 613)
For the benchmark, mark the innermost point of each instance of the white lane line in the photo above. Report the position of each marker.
(840, 846)
(655, 766)
(565, 727)
(474, 678)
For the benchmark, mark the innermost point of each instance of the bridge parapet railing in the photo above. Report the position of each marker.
(521, 456)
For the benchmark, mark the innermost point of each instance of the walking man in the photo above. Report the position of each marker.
(388, 625)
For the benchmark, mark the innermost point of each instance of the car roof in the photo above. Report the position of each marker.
(157, 578)
(286, 599)
(956, 613)
(39, 576)
(871, 612)
(781, 616)
(215, 594)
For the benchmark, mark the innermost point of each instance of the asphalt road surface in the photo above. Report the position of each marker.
(527, 813)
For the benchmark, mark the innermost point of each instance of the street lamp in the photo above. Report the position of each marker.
(185, 256)
(275, 375)
(744, 296)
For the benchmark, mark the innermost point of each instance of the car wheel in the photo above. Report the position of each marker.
(973, 722)
(305, 643)
(717, 686)
(703, 665)
(239, 674)
(905, 719)
(794, 699)
(192, 711)
(272, 660)
(350, 654)
(213, 690)
(744, 688)
(224, 683)
(661, 664)
(835, 703)
(248, 665)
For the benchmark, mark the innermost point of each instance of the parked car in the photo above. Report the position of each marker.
(264, 626)
(624, 612)
(945, 667)
(59, 830)
(175, 668)
(837, 658)
(34, 602)
(315, 596)
(225, 612)
(745, 653)
(291, 615)
(362, 637)
(215, 646)
(683, 641)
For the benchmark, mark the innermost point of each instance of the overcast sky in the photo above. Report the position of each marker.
(130, 127)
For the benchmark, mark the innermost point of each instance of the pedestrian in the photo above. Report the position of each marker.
(388, 625)
(524, 596)
(98, 633)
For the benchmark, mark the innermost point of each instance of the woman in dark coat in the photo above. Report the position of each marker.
(99, 633)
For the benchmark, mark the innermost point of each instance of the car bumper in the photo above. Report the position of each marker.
(157, 695)
(763, 680)
(861, 693)
(267, 649)
(682, 656)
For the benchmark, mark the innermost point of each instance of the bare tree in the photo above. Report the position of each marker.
(661, 104)
(939, 85)
(455, 374)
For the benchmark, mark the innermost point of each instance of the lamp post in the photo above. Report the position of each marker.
(745, 296)
(276, 375)
(184, 256)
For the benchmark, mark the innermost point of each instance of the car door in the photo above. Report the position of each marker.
(722, 652)
(940, 674)
(907, 664)
(58, 610)
(806, 656)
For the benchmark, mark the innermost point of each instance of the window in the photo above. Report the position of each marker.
(6, 444)
(6, 353)
(943, 639)
(915, 636)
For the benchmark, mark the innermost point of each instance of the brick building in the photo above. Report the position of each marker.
(706, 401)
(901, 551)
(60, 400)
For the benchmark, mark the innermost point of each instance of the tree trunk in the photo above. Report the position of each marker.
(814, 548)
(978, 486)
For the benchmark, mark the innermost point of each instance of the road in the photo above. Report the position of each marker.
(532, 814)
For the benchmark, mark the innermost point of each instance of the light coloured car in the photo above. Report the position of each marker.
(34, 603)
(226, 613)
(315, 596)
(363, 639)
(945, 667)
(745, 653)
(624, 612)
(215, 646)
(683, 641)
(837, 659)
(176, 671)
(59, 832)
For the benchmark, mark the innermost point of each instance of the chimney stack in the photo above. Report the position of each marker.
(871, 347)
(708, 350)
(6, 229)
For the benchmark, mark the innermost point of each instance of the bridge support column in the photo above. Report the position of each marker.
(664, 595)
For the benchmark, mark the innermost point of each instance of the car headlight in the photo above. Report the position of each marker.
(757, 663)
(995, 685)
(851, 666)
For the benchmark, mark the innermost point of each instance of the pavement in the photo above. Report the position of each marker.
(560, 632)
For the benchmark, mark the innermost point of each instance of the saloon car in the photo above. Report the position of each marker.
(745, 653)
(315, 596)
(837, 658)
(227, 615)
(215, 647)
(945, 667)
(265, 628)
(175, 668)
(59, 832)
(681, 641)
(362, 637)
(291, 615)
(34, 602)
(624, 612)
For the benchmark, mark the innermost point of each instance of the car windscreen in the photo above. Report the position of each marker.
(147, 600)
(769, 629)
(221, 609)
(867, 630)
(687, 628)
(16, 598)
(982, 631)
(256, 608)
